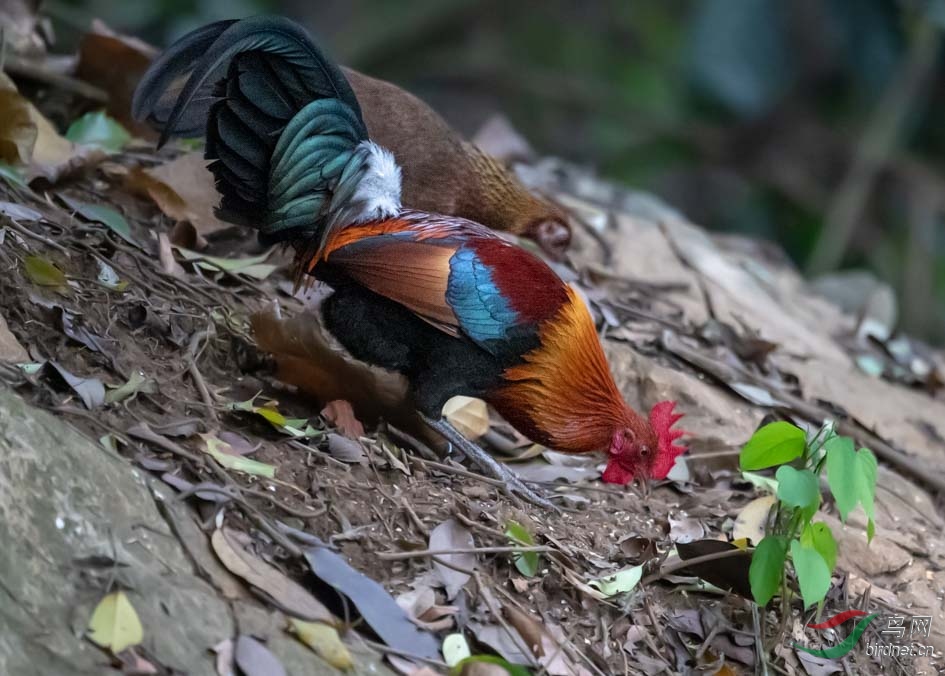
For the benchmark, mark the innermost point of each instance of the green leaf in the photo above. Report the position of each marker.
(44, 273)
(525, 562)
(621, 582)
(137, 382)
(798, 488)
(251, 267)
(767, 568)
(773, 444)
(236, 462)
(866, 487)
(98, 129)
(765, 483)
(294, 427)
(13, 176)
(813, 575)
(107, 216)
(842, 474)
(819, 536)
(511, 669)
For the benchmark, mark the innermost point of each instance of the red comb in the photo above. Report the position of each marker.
(662, 419)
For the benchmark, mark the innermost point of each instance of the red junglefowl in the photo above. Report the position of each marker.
(441, 300)
(441, 172)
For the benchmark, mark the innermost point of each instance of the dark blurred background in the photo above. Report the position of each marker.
(814, 123)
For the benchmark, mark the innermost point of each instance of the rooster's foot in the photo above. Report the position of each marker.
(513, 486)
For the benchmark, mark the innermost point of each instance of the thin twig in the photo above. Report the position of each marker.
(671, 568)
(496, 611)
(449, 469)
(26, 232)
(401, 653)
(196, 376)
(426, 553)
(417, 445)
(144, 433)
(37, 71)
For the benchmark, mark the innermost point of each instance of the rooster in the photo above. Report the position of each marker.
(442, 173)
(442, 300)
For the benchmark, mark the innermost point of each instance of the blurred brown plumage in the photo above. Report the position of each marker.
(445, 174)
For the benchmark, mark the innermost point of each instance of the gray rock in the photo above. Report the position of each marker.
(65, 499)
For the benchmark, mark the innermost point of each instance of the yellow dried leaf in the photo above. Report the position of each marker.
(468, 415)
(115, 624)
(17, 131)
(26, 137)
(750, 522)
(43, 272)
(324, 640)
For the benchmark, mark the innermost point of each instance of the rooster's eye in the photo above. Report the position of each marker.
(644, 451)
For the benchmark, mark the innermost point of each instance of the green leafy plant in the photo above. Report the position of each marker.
(526, 562)
(792, 536)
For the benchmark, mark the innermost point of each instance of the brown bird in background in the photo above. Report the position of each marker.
(442, 172)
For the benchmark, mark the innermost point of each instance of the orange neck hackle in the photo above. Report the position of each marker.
(563, 394)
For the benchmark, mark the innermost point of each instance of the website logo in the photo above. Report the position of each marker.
(898, 639)
(845, 646)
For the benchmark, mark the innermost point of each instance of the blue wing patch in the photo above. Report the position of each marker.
(483, 312)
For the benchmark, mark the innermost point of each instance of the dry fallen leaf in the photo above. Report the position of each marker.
(750, 522)
(503, 642)
(345, 449)
(468, 415)
(28, 138)
(90, 390)
(324, 640)
(99, 52)
(115, 624)
(528, 627)
(255, 659)
(452, 535)
(340, 414)
(17, 131)
(10, 348)
(289, 594)
(188, 178)
(374, 603)
(140, 182)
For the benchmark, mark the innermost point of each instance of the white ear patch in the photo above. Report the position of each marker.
(378, 193)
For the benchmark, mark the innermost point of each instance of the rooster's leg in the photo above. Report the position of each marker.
(514, 486)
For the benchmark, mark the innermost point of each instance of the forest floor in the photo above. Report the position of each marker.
(135, 325)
